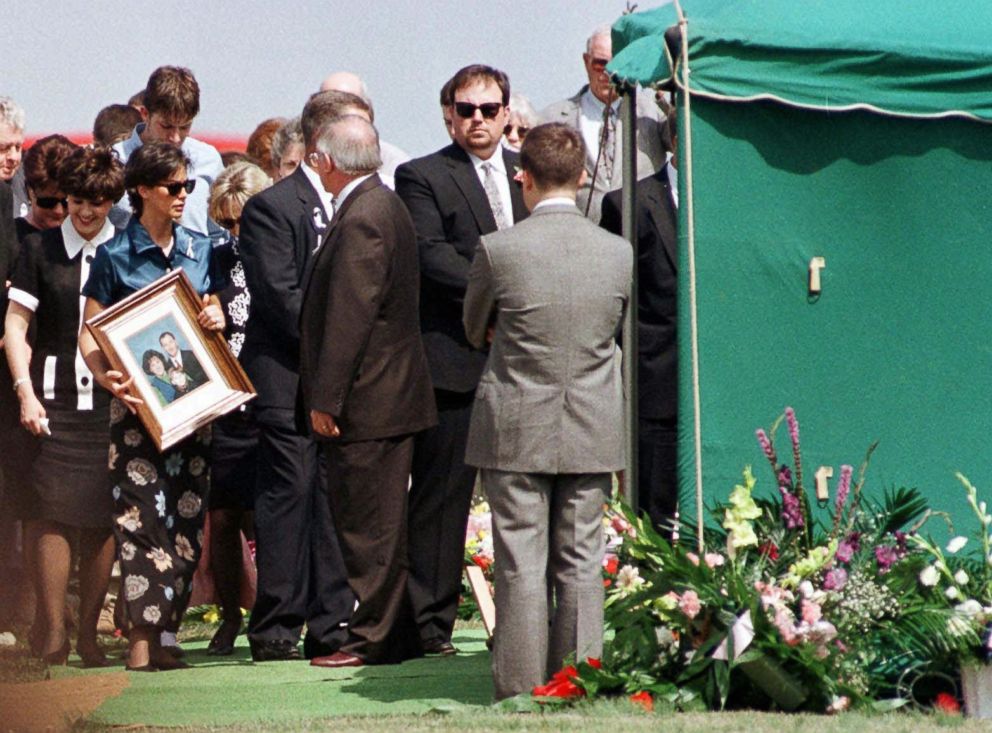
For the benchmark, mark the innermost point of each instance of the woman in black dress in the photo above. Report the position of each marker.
(159, 498)
(235, 440)
(58, 403)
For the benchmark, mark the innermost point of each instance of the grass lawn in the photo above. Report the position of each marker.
(436, 694)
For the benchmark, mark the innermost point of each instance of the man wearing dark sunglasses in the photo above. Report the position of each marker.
(172, 101)
(594, 113)
(455, 195)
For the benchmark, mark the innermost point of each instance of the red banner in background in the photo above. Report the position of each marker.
(222, 141)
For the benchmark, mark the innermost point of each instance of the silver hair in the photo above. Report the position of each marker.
(352, 142)
(520, 105)
(11, 114)
(291, 132)
(603, 30)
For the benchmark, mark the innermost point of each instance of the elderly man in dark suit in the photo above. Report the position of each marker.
(454, 195)
(547, 425)
(301, 575)
(365, 385)
(657, 343)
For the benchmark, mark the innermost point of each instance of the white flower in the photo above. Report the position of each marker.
(806, 588)
(961, 577)
(969, 609)
(135, 586)
(184, 549)
(161, 559)
(197, 466)
(116, 491)
(929, 576)
(956, 544)
(112, 456)
(152, 614)
(131, 519)
(127, 551)
(236, 342)
(173, 464)
(132, 438)
(189, 503)
(141, 472)
(169, 593)
(952, 593)
(958, 626)
(238, 309)
(629, 579)
(238, 275)
(160, 503)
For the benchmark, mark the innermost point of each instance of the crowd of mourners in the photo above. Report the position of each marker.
(415, 330)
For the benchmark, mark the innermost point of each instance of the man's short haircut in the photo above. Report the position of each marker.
(173, 91)
(114, 122)
(259, 145)
(603, 30)
(137, 99)
(554, 155)
(448, 93)
(94, 174)
(352, 143)
(480, 73)
(149, 165)
(323, 107)
(288, 134)
(42, 160)
(166, 333)
(11, 114)
(233, 187)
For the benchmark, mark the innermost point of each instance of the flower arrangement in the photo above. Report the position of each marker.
(788, 605)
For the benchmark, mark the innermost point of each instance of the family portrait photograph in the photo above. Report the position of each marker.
(167, 360)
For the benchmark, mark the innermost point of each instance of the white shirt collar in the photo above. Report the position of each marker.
(325, 197)
(346, 191)
(74, 243)
(554, 201)
(673, 182)
(496, 159)
(593, 107)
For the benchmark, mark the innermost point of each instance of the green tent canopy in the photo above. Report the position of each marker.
(853, 132)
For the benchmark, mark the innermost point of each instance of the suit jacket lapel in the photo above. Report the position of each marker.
(467, 180)
(313, 209)
(661, 199)
(512, 163)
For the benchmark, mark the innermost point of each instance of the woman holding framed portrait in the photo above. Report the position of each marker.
(159, 498)
(59, 404)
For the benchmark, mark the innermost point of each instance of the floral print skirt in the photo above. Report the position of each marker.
(159, 508)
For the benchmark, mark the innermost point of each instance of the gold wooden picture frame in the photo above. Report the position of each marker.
(185, 376)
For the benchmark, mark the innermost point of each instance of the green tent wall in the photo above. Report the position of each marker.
(860, 135)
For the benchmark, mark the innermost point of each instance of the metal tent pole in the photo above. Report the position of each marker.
(628, 112)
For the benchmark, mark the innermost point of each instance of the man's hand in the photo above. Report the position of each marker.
(323, 424)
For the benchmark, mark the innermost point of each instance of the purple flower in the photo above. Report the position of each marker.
(847, 547)
(843, 488)
(792, 511)
(766, 446)
(784, 476)
(886, 555)
(835, 579)
(790, 419)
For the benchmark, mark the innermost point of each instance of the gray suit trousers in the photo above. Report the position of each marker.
(548, 542)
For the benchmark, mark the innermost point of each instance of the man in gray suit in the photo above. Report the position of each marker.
(595, 113)
(546, 426)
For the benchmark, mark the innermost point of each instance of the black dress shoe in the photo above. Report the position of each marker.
(278, 650)
(440, 647)
(222, 644)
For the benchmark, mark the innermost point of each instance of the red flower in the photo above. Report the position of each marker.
(482, 561)
(643, 699)
(561, 685)
(594, 662)
(770, 550)
(612, 565)
(947, 703)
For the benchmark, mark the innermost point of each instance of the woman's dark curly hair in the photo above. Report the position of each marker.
(94, 174)
(146, 360)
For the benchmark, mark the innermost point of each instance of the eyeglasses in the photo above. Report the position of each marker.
(598, 64)
(173, 187)
(489, 110)
(50, 202)
(521, 130)
(229, 223)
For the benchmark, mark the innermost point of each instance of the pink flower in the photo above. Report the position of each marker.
(843, 488)
(766, 446)
(886, 555)
(848, 546)
(811, 612)
(689, 604)
(621, 525)
(786, 626)
(693, 558)
(835, 579)
(713, 560)
(792, 511)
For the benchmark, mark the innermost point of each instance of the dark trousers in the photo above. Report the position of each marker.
(367, 486)
(440, 498)
(657, 465)
(301, 574)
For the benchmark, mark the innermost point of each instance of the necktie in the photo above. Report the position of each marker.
(608, 139)
(495, 200)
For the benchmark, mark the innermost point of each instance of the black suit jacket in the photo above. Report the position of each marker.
(657, 293)
(361, 355)
(279, 232)
(191, 365)
(450, 211)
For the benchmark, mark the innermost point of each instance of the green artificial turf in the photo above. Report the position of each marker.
(232, 691)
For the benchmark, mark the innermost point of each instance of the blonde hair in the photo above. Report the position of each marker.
(234, 186)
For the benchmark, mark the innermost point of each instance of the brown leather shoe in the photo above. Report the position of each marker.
(337, 659)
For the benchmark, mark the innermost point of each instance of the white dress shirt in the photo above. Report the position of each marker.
(591, 123)
(499, 173)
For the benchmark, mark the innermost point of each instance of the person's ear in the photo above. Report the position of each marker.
(583, 177)
(144, 113)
